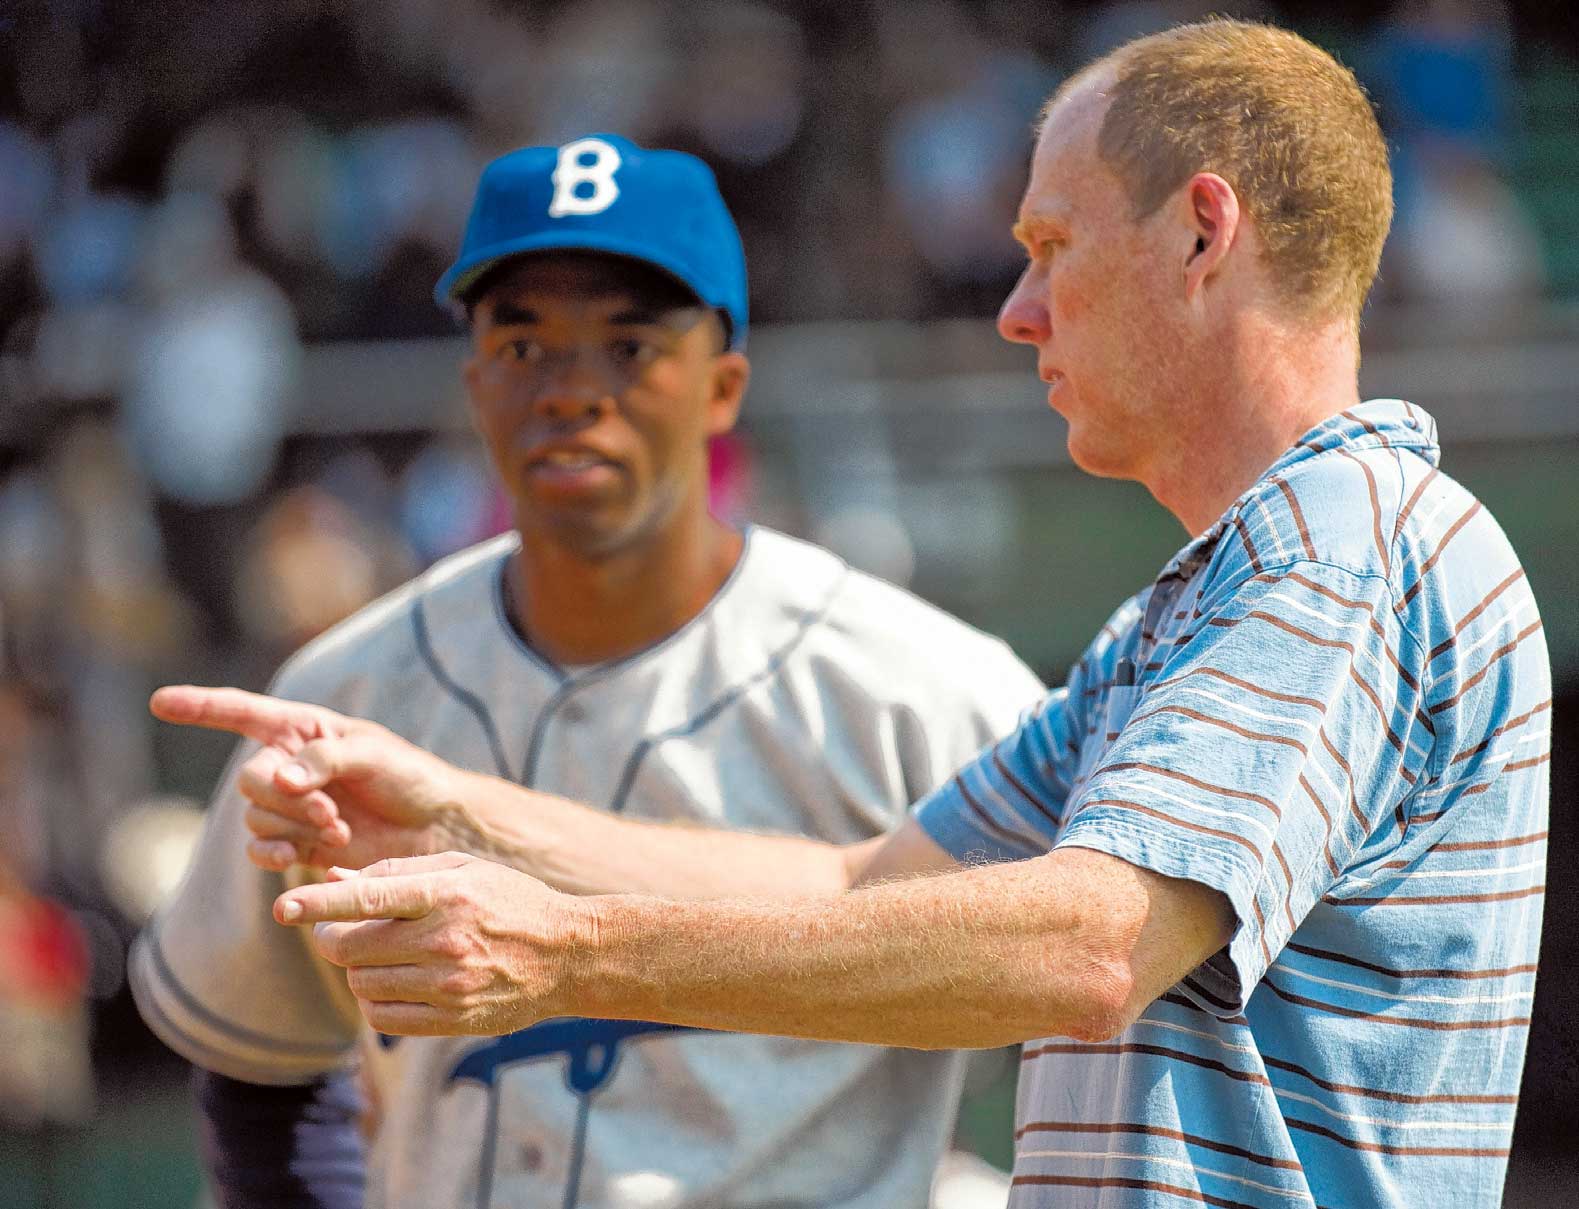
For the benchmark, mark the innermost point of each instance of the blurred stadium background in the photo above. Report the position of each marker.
(229, 413)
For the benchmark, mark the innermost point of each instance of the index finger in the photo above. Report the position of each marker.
(251, 715)
(409, 896)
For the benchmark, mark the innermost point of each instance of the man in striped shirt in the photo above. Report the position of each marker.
(1267, 872)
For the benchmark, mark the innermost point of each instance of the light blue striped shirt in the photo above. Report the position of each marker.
(1340, 720)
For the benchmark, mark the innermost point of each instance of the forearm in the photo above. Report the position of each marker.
(980, 957)
(584, 851)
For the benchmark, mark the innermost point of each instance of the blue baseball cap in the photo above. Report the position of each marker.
(603, 193)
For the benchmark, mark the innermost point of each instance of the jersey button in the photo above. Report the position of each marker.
(573, 712)
(531, 1157)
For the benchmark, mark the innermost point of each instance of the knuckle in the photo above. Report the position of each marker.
(254, 776)
(330, 941)
(448, 943)
(457, 985)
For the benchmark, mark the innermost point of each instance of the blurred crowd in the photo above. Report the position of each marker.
(194, 191)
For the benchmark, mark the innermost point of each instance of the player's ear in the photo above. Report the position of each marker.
(731, 374)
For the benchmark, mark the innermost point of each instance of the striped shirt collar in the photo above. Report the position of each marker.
(1375, 424)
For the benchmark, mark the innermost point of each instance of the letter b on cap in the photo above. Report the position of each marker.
(571, 176)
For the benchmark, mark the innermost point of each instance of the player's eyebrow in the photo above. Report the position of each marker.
(641, 315)
(508, 314)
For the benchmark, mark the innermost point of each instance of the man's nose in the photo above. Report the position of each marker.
(1023, 317)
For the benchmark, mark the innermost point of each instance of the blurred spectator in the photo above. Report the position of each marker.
(25, 747)
(955, 150)
(217, 361)
(1465, 242)
(116, 621)
(448, 500)
(1442, 74)
(603, 65)
(312, 561)
(45, 1075)
(26, 182)
(754, 59)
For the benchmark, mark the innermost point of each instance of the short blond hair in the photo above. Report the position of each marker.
(1281, 121)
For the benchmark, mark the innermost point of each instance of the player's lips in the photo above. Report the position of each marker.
(570, 467)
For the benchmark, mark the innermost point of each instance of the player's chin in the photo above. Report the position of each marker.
(594, 532)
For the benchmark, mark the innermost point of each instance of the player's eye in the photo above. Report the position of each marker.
(633, 351)
(521, 351)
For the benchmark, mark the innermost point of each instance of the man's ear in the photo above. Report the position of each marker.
(1211, 226)
(731, 375)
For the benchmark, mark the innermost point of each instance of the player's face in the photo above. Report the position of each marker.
(1093, 300)
(596, 384)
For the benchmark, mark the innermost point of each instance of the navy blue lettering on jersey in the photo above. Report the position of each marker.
(591, 1049)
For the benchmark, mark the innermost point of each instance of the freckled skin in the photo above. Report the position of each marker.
(1170, 348)
(1102, 297)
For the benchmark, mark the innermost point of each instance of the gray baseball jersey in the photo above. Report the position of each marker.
(806, 698)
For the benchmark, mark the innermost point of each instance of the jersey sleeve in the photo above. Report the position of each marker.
(1006, 803)
(224, 985)
(1271, 744)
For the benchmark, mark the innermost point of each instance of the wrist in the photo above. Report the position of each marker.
(461, 821)
(584, 927)
(608, 969)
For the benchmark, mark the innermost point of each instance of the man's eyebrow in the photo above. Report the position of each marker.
(1037, 226)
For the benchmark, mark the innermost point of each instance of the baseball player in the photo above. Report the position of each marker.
(622, 647)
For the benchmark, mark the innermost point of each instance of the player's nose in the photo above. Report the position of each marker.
(1023, 317)
(573, 390)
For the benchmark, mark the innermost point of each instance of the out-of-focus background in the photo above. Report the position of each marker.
(230, 414)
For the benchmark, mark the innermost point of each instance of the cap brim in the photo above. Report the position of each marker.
(463, 275)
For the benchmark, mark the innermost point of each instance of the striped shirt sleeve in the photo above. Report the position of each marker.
(1008, 804)
(1272, 746)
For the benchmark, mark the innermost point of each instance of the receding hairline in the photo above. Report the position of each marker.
(1094, 80)
(1179, 101)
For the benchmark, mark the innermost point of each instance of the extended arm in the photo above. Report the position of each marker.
(583, 851)
(327, 789)
(1073, 943)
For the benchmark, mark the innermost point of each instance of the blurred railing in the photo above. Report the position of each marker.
(927, 453)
